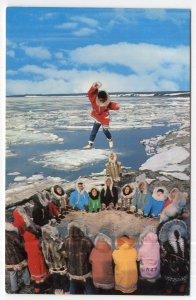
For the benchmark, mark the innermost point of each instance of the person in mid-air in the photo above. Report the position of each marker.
(101, 105)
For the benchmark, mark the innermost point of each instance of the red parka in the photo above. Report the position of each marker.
(35, 259)
(100, 110)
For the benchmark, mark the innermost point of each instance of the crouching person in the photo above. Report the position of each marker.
(109, 195)
(51, 245)
(78, 248)
(15, 257)
(126, 197)
(79, 197)
(94, 200)
(102, 264)
(141, 199)
(156, 203)
(36, 263)
(59, 198)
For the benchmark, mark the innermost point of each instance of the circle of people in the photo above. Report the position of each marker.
(34, 245)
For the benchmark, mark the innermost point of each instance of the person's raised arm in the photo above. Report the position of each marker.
(92, 93)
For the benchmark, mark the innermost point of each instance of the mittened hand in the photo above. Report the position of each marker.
(132, 209)
(97, 84)
(140, 212)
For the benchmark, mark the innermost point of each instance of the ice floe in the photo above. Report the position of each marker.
(13, 173)
(71, 159)
(180, 176)
(167, 160)
(29, 120)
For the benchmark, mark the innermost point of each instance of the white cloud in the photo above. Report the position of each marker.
(10, 53)
(36, 52)
(85, 20)
(75, 81)
(139, 58)
(10, 43)
(83, 32)
(48, 16)
(68, 25)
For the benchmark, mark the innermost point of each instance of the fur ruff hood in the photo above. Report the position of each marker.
(78, 181)
(49, 232)
(81, 228)
(10, 227)
(131, 194)
(145, 186)
(114, 159)
(103, 237)
(111, 185)
(102, 104)
(55, 195)
(163, 196)
(90, 193)
(21, 211)
(40, 199)
(147, 230)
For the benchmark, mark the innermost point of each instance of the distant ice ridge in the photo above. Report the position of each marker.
(71, 159)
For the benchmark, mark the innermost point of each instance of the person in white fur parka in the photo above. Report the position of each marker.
(113, 168)
(176, 206)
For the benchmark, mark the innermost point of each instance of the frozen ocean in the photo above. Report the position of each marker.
(45, 134)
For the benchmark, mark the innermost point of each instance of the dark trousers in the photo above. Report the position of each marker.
(82, 287)
(95, 129)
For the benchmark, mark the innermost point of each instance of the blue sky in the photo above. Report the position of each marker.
(64, 50)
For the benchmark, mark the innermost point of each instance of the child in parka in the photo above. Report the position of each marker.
(156, 203)
(126, 197)
(94, 200)
(125, 256)
(101, 105)
(113, 168)
(102, 264)
(141, 199)
(51, 245)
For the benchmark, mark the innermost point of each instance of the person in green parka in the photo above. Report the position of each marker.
(94, 200)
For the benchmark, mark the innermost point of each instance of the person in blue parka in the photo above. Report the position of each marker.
(79, 197)
(157, 201)
(141, 199)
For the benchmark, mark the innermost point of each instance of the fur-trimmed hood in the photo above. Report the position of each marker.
(111, 185)
(174, 190)
(46, 196)
(90, 193)
(39, 199)
(114, 159)
(132, 192)
(76, 187)
(104, 238)
(145, 186)
(106, 103)
(21, 211)
(163, 196)
(76, 229)
(10, 227)
(55, 194)
(148, 229)
(49, 232)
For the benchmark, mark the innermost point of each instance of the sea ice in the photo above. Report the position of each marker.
(71, 159)
(166, 160)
